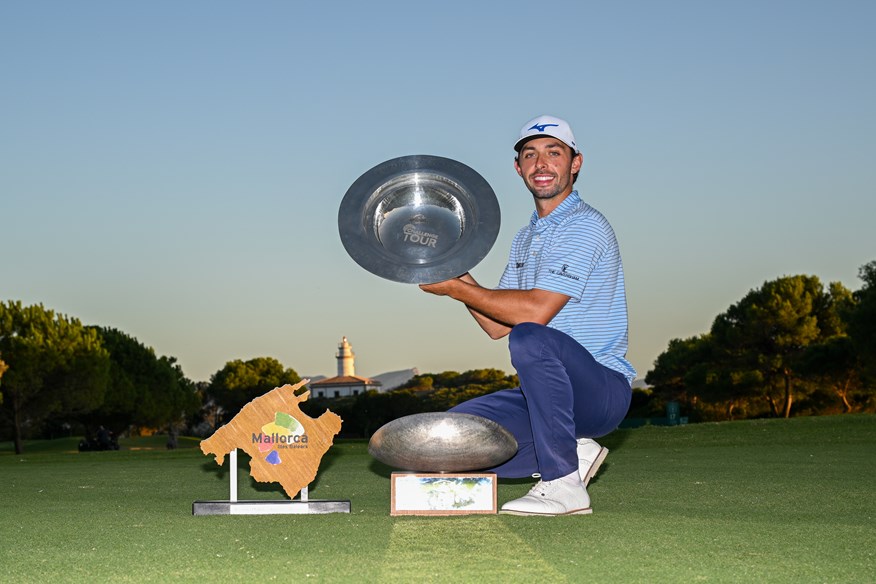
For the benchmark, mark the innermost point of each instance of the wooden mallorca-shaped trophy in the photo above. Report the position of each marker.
(285, 446)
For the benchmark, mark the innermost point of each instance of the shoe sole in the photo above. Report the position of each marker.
(586, 511)
(594, 468)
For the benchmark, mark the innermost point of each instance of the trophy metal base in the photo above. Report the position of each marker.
(443, 493)
(312, 507)
(301, 506)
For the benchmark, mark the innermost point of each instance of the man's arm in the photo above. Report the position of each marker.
(497, 311)
(493, 328)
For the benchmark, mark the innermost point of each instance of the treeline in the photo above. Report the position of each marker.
(790, 347)
(363, 414)
(59, 377)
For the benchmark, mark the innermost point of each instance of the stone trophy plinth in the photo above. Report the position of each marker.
(444, 455)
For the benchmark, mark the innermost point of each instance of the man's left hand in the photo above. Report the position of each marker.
(440, 288)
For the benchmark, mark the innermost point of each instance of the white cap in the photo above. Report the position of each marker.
(547, 126)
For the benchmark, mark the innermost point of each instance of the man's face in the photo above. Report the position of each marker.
(547, 166)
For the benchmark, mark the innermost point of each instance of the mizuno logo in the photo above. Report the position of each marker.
(541, 127)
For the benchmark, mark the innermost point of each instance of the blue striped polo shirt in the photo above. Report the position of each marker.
(574, 251)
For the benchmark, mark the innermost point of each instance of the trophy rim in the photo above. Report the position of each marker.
(481, 213)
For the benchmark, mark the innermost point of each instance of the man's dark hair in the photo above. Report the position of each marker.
(575, 176)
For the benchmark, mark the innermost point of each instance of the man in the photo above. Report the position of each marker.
(562, 303)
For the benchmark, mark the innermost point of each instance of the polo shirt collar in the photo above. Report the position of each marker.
(557, 215)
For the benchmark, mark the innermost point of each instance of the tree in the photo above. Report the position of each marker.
(862, 322)
(834, 364)
(670, 377)
(370, 410)
(768, 330)
(239, 382)
(702, 374)
(756, 351)
(3, 368)
(144, 390)
(487, 377)
(55, 366)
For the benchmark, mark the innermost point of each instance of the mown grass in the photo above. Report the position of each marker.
(755, 501)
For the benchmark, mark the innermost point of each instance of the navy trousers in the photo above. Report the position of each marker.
(564, 394)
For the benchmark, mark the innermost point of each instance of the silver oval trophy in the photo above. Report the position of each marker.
(442, 442)
(419, 219)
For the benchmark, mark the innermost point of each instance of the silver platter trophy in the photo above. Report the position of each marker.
(419, 219)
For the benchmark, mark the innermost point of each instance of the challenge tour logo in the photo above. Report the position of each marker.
(283, 433)
(414, 235)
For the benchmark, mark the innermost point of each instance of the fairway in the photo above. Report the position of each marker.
(753, 501)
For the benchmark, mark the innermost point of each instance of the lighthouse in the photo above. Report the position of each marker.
(346, 383)
(346, 358)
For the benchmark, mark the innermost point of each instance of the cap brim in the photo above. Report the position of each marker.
(521, 142)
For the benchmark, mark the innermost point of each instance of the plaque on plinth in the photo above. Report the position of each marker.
(284, 445)
(442, 493)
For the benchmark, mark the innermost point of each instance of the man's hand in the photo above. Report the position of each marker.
(446, 287)
(439, 288)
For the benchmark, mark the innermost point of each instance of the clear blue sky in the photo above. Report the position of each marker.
(174, 169)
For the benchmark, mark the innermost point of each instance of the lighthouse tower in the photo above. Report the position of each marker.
(346, 358)
(347, 383)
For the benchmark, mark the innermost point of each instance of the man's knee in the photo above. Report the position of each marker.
(526, 341)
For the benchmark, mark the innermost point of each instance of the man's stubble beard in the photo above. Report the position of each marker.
(547, 195)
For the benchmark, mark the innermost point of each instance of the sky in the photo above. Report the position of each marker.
(174, 169)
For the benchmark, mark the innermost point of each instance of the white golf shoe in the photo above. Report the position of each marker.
(590, 458)
(562, 496)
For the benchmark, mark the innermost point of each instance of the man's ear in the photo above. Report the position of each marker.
(517, 167)
(577, 162)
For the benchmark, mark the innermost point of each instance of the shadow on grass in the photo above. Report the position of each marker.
(381, 469)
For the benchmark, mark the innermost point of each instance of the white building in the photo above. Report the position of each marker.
(346, 383)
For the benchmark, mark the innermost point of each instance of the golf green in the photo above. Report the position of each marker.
(752, 501)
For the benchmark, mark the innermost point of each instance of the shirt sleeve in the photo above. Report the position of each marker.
(570, 257)
(510, 279)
